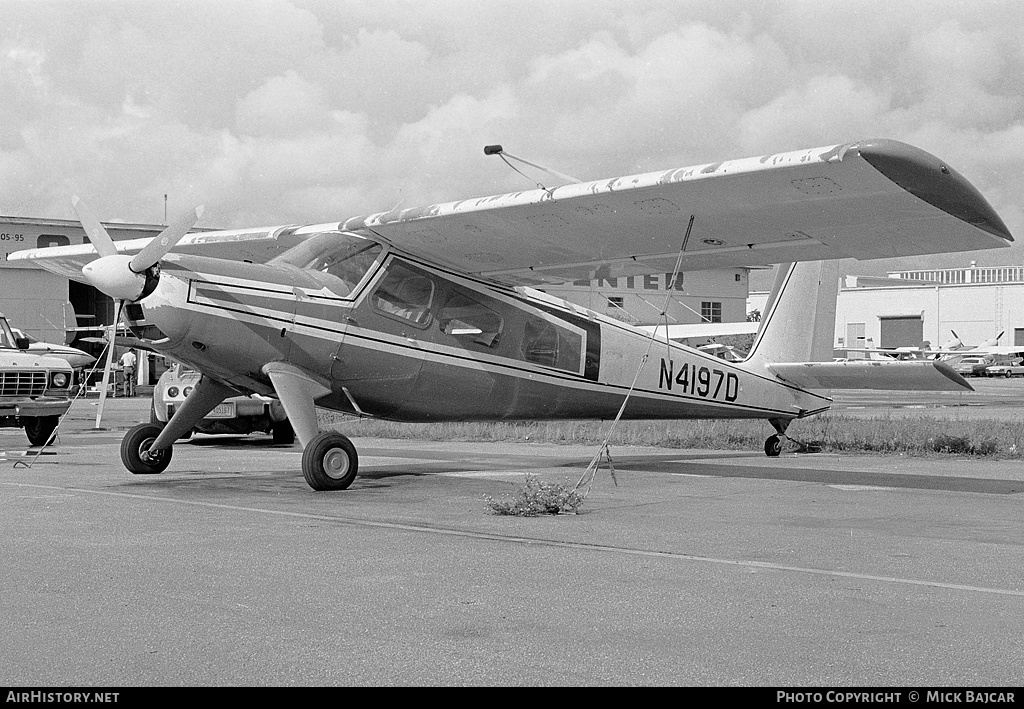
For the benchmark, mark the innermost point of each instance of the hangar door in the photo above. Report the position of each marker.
(901, 331)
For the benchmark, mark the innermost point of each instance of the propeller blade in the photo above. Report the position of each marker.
(164, 241)
(107, 368)
(99, 237)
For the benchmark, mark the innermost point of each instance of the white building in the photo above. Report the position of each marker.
(696, 296)
(909, 307)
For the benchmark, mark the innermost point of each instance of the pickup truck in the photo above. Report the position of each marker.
(35, 391)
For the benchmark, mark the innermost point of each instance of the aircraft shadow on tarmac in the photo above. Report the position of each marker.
(674, 464)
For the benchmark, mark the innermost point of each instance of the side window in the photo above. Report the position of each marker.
(469, 320)
(404, 294)
(552, 346)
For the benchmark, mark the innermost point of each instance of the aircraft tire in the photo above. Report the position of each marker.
(330, 462)
(773, 446)
(136, 442)
(39, 429)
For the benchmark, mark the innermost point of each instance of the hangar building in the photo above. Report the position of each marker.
(910, 307)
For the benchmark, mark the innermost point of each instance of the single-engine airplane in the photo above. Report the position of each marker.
(434, 313)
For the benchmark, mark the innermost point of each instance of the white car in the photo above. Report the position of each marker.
(238, 414)
(972, 366)
(1005, 370)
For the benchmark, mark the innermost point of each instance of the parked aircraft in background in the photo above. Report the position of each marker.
(951, 351)
(73, 356)
(431, 314)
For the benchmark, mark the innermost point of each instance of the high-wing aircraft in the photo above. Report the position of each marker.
(77, 358)
(430, 314)
(950, 352)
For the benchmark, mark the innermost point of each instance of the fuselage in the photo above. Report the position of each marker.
(396, 337)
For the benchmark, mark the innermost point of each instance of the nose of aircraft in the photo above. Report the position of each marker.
(112, 275)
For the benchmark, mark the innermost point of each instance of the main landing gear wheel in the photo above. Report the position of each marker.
(773, 446)
(330, 462)
(135, 450)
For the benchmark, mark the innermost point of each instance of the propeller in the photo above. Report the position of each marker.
(122, 277)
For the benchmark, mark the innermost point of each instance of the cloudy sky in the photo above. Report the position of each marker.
(282, 111)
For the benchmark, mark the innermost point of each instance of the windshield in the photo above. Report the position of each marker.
(6, 336)
(340, 260)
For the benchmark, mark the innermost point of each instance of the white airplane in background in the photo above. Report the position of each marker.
(72, 355)
(951, 347)
(430, 313)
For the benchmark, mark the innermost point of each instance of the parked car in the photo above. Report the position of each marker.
(238, 414)
(973, 366)
(1005, 370)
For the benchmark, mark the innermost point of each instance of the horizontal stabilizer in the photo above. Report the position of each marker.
(892, 375)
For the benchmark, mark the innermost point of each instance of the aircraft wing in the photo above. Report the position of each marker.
(898, 375)
(872, 199)
(255, 245)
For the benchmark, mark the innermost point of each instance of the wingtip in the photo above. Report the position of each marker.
(934, 181)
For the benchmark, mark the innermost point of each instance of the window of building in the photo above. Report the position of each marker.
(616, 302)
(711, 311)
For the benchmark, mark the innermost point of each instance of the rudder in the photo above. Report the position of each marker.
(800, 317)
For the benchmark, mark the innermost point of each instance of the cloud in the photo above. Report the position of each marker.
(279, 112)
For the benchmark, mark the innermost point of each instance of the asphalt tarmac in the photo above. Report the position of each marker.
(686, 568)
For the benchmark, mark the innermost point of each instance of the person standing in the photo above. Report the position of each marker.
(128, 362)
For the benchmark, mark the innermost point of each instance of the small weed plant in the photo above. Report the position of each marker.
(536, 497)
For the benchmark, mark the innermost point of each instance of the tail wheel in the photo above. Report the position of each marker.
(773, 446)
(330, 462)
(135, 450)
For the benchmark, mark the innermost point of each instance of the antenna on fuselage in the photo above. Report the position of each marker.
(500, 152)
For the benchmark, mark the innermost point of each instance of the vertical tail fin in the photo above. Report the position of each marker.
(800, 317)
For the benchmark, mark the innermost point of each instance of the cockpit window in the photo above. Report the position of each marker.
(404, 293)
(467, 319)
(339, 261)
(551, 345)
